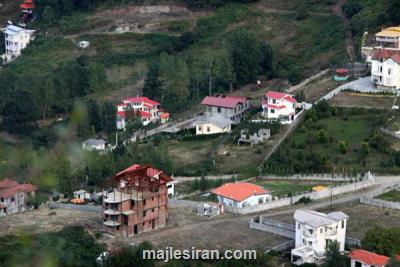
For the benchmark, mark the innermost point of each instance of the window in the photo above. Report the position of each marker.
(322, 230)
(389, 71)
(343, 224)
(144, 202)
(12, 199)
(208, 129)
(260, 200)
(310, 231)
(219, 110)
(200, 128)
(273, 101)
(272, 110)
(298, 226)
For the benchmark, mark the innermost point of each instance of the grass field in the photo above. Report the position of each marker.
(314, 147)
(393, 195)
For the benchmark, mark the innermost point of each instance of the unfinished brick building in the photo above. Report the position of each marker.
(138, 201)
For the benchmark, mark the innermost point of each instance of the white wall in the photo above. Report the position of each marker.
(388, 70)
(249, 202)
(209, 128)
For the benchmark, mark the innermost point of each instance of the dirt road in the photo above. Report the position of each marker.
(349, 35)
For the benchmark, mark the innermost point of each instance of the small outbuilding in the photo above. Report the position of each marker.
(94, 144)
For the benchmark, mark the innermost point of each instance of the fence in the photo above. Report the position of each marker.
(342, 189)
(85, 208)
(274, 227)
(391, 133)
(286, 230)
(361, 85)
(307, 81)
(380, 203)
(183, 203)
(313, 177)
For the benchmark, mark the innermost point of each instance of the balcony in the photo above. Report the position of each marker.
(112, 212)
(307, 233)
(111, 223)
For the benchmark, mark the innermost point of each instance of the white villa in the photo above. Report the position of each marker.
(279, 105)
(146, 109)
(16, 39)
(241, 194)
(229, 106)
(213, 125)
(385, 70)
(314, 231)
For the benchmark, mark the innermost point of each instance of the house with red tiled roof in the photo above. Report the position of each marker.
(14, 197)
(385, 69)
(142, 107)
(229, 106)
(364, 258)
(241, 194)
(279, 105)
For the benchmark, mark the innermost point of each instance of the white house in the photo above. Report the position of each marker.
(364, 258)
(385, 69)
(278, 105)
(213, 124)
(171, 188)
(94, 144)
(84, 44)
(241, 194)
(229, 106)
(82, 194)
(314, 231)
(144, 108)
(16, 39)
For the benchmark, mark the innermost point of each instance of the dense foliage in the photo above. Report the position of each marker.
(384, 241)
(72, 246)
(336, 140)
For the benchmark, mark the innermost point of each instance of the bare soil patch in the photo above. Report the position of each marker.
(349, 99)
(47, 220)
(318, 88)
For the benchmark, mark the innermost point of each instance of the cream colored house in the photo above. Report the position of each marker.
(213, 124)
(314, 231)
(16, 39)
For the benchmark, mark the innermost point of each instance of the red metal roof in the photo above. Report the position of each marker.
(143, 100)
(135, 172)
(164, 115)
(368, 258)
(275, 95)
(27, 6)
(239, 191)
(7, 183)
(383, 54)
(224, 101)
(290, 99)
(9, 188)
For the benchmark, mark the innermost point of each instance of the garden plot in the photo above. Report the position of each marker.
(350, 99)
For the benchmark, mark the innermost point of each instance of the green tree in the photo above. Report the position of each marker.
(384, 241)
(152, 83)
(96, 77)
(48, 15)
(108, 117)
(322, 136)
(334, 257)
(393, 262)
(365, 148)
(93, 111)
(343, 147)
(246, 55)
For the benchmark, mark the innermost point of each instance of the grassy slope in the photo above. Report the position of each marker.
(352, 128)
